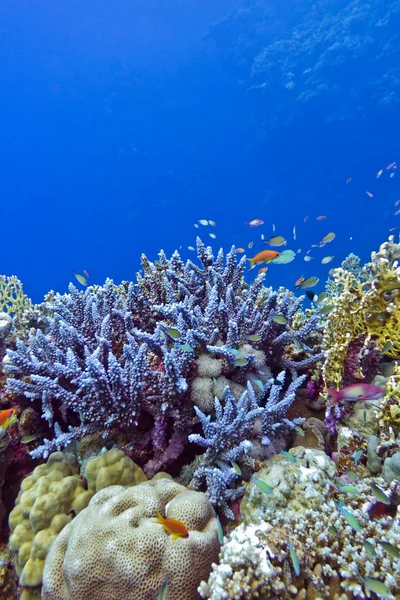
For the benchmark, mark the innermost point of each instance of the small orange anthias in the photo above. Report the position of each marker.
(7, 417)
(176, 528)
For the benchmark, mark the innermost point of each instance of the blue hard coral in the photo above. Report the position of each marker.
(106, 360)
(230, 436)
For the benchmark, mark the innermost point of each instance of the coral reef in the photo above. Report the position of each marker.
(365, 304)
(131, 356)
(255, 560)
(42, 509)
(115, 548)
(51, 496)
(237, 428)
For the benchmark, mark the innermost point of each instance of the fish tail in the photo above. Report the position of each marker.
(334, 395)
(252, 263)
(160, 519)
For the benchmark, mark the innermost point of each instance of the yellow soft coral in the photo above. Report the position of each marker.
(368, 306)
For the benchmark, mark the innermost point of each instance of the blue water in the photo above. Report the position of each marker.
(123, 123)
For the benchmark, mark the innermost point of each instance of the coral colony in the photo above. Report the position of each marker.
(171, 404)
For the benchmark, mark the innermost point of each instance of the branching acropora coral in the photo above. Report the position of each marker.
(110, 359)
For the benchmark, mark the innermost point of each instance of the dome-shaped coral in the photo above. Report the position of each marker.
(115, 548)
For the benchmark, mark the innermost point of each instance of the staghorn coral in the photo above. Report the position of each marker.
(106, 359)
(367, 306)
(238, 427)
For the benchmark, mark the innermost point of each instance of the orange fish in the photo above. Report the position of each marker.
(263, 256)
(176, 528)
(262, 270)
(299, 280)
(321, 217)
(86, 273)
(348, 179)
(7, 417)
(305, 218)
(240, 250)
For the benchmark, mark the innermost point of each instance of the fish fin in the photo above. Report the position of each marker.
(160, 519)
(252, 263)
(175, 536)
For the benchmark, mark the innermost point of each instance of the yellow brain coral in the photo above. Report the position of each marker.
(369, 305)
(115, 549)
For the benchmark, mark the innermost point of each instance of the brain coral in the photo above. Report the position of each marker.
(114, 548)
(41, 511)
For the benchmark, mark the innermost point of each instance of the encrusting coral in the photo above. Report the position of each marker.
(115, 548)
(334, 559)
(363, 305)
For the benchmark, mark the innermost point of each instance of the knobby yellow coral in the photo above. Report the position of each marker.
(369, 306)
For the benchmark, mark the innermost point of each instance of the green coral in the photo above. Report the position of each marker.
(13, 299)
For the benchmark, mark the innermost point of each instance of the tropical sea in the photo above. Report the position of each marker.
(122, 126)
(237, 418)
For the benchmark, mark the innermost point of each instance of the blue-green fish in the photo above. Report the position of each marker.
(172, 332)
(262, 485)
(185, 347)
(357, 455)
(279, 319)
(369, 549)
(254, 337)
(297, 344)
(348, 489)
(162, 594)
(233, 351)
(300, 430)
(236, 467)
(374, 585)
(380, 494)
(258, 383)
(289, 456)
(387, 347)
(351, 474)
(241, 362)
(81, 278)
(27, 439)
(333, 530)
(220, 531)
(352, 521)
(390, 549)
(295, 560)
